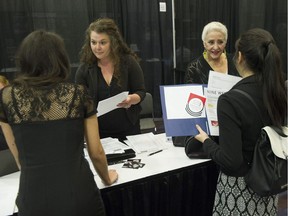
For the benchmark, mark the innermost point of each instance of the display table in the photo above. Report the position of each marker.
(169, 184)
(183, 191)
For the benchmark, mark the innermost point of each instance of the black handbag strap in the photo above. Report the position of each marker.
(279, 131)
(251, 99)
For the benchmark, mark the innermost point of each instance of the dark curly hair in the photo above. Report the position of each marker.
(118, 46)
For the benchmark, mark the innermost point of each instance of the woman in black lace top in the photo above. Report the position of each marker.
(45, 119)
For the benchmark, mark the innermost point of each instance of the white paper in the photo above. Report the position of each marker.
(212, 96)
(176, 99)
(112, 146)
(110, 104)
(162, 6)
(222, 81)
(218, 83)
(145, 143)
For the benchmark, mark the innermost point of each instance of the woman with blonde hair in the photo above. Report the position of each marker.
(214, 57)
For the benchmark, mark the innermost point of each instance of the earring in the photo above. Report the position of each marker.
(205, 54)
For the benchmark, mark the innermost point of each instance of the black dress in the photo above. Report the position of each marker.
(48, 125)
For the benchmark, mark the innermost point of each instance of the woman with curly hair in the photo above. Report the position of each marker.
(109, 67)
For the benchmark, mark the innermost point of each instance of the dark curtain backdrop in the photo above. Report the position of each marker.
(238, 16)
(146, 30)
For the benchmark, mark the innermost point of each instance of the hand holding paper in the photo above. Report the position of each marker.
(202, 136)
(111, 103)
(125, 103)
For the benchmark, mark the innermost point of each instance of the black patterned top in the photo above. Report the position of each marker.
(48, 126)
(198, 70)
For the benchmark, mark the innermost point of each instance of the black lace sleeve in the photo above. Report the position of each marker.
(56, 102)
(89, 106)
(197, 71)
(194, 72)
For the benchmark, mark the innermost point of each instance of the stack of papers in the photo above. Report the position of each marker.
(147, 142)
(218, 84)
(113, 146)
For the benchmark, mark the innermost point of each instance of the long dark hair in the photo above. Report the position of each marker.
(118, 46)
(263, 57)
(42, 60)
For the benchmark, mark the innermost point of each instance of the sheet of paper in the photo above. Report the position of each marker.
(222, 81)
(112, 146)
(218, 84)
(211, 110)
(147, 142)
(110, 104)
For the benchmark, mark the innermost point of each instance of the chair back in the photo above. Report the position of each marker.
(147, 123)
(147, 106)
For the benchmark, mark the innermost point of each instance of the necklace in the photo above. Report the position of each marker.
(219, 66)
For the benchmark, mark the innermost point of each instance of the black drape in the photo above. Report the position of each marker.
(238, 16)
(149, 33)
(145, 29)
(188, 191)
(68, 18)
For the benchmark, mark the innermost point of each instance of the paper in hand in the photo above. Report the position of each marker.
(110, 104)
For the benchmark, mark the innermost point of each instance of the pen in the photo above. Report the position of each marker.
(155, 152)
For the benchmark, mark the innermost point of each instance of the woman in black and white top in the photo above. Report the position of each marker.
(258, 61)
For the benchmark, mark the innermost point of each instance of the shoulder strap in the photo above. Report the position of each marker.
(251, 99)
(280, 132)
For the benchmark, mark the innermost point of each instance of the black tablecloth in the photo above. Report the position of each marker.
(186, 191)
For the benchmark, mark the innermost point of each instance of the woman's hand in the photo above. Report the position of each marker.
(125, 103)
(202, 136)
(131, 99)
(113, 175)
